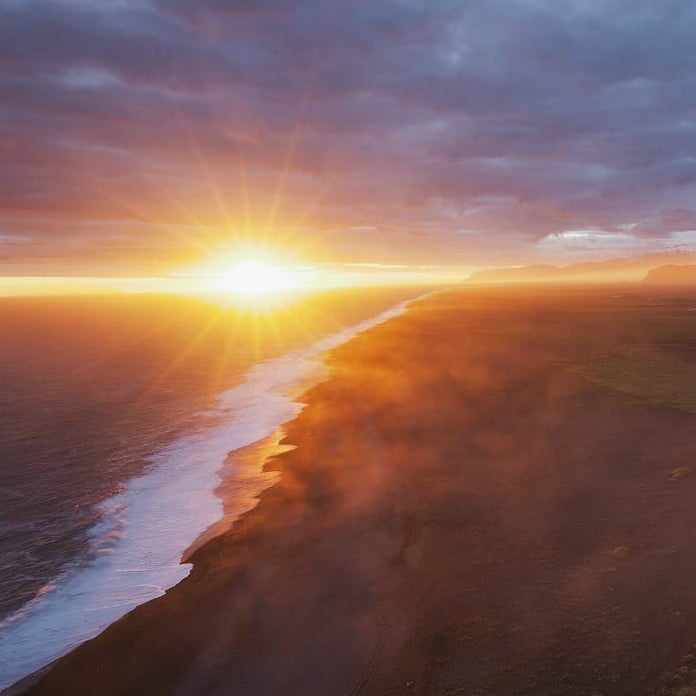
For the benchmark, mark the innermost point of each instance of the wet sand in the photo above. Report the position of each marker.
(465, 512)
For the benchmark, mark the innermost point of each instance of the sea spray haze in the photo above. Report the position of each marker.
(115, 415)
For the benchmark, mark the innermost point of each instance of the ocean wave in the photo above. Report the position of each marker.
(136, 547)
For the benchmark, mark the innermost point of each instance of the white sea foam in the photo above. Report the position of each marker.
(146, 528)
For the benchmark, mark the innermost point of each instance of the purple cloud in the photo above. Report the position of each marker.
(454, 129)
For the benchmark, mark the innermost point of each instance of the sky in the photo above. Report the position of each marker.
(140, 136)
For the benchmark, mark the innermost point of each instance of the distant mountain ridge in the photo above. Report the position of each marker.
(672, 274)
(631, 269)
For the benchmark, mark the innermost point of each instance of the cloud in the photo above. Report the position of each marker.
(458, 131)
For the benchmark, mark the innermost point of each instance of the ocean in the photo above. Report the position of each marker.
(117, 415)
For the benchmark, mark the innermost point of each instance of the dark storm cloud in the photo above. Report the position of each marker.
(454, 127)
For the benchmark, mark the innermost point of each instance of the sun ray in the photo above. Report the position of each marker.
(293, 144)
(217, 376)
(142, 337)
(182, 355)
(212, 186)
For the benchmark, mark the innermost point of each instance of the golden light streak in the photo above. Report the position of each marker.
(250, 277)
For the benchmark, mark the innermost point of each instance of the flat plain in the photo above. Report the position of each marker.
(491, 495)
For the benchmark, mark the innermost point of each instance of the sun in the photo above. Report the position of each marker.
(252, 277)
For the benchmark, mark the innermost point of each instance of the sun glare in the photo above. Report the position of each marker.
(254, 278)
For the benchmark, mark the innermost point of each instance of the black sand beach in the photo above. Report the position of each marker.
(490, 496)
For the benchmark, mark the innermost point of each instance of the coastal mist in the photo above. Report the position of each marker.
(97, 391)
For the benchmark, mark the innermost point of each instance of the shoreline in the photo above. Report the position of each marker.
(472, 518)
(245, 473)
(240, 475)
(243, 478)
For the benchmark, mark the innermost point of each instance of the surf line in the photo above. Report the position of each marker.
(145, 529)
